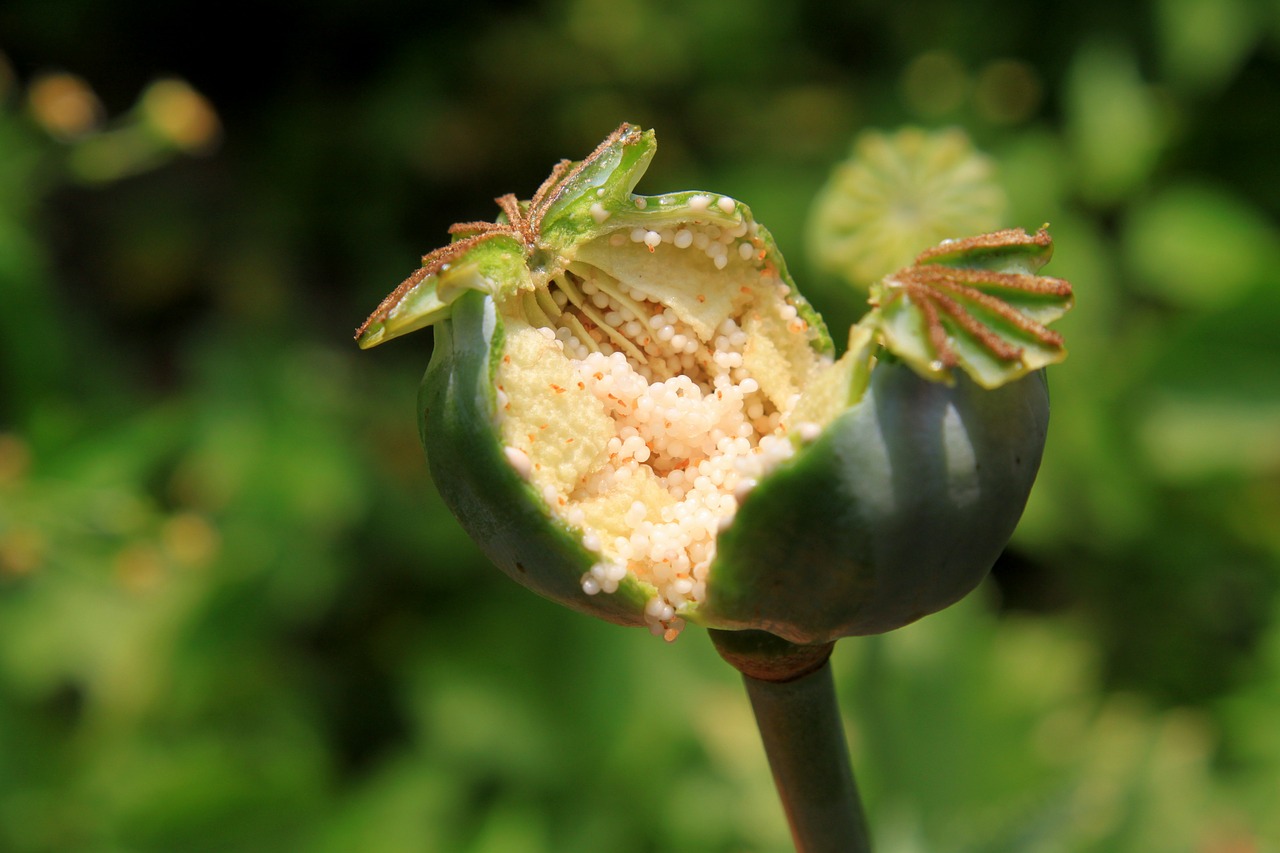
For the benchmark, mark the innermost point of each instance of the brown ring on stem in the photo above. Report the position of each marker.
(767, 657)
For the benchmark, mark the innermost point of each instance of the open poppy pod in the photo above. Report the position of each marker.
(634, 412)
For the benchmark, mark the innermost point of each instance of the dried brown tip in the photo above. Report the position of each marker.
(431, 264)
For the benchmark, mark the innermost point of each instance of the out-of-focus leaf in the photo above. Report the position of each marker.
(1205, 41)
(1116, 124)
(1048, 763)
(1211, 399)
(1189, 439)
(1199, 247)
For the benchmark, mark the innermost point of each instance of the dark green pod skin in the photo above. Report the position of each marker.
(501, 512)
(897, 510)
(897, 507)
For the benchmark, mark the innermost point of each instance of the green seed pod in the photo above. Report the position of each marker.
(634, 412)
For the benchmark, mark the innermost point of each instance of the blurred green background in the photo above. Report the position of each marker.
(235, 617)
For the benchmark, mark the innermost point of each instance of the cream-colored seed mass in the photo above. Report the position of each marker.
(645, 390)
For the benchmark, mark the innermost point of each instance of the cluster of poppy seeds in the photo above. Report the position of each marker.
(669, 397)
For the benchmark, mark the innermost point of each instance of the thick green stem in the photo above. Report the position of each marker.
(803, 736)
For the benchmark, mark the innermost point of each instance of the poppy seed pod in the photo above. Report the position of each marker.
(634, 412)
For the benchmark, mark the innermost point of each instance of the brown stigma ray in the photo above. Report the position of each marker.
(993, 241)
(939, 291)
(943, 279)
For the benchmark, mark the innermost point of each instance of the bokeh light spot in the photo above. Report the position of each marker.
(934, 83)
(1008, 91)
(64, 105)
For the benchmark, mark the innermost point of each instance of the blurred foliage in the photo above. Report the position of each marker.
(233, 615)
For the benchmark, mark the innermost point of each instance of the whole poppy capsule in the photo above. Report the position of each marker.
(633, 411)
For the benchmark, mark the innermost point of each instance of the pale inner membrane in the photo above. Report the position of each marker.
(643, 393)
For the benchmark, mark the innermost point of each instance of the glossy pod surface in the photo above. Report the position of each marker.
(633, 411)
(898, 510)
